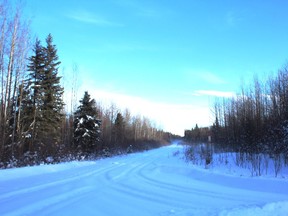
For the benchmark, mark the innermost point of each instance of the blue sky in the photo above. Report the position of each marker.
(162, 58)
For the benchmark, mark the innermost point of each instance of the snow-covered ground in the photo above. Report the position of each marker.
(150, 183)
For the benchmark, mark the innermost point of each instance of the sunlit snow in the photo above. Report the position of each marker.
(150, 183)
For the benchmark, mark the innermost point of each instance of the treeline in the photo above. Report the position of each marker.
(255, 123)
(257, 119)
(120, 131)
(34, 126)
(197, 135)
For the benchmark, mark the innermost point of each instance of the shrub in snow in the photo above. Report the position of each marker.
(106, 152)
(49, 160)
(199, 154)
(130, 149)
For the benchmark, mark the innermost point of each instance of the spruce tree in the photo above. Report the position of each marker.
(43, 104)
(86, 126)
(119, 129)
(27, 110)
(53, 104)
(33, 98)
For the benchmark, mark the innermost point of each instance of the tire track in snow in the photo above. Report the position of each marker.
(141, 182)
(162, 183)
(148, 183)
(152, 189)
(48, 198)
(55, 183)
(132, 183)
(38, 206)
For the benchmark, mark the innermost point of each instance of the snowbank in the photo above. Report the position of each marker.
(275, 209)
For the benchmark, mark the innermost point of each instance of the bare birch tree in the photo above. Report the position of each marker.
(14, 47)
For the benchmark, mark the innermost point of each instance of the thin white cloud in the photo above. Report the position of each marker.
(211, 78)
(205, 76)
(225, 94)
(91, 18)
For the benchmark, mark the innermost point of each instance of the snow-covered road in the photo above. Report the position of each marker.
(149, 183)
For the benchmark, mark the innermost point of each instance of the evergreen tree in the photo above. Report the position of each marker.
(42, 106)
(86, 125)
(119, 129)
(33, 97)
(26, 120)
(52, 110)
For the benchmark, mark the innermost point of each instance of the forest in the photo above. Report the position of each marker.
(254, 124)
(35, 124)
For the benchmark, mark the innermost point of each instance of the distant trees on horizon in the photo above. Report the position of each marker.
(197, 134)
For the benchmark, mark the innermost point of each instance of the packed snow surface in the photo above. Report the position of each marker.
(150, 183)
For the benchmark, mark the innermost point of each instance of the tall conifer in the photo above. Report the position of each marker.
(52, 93)
(43, 102)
